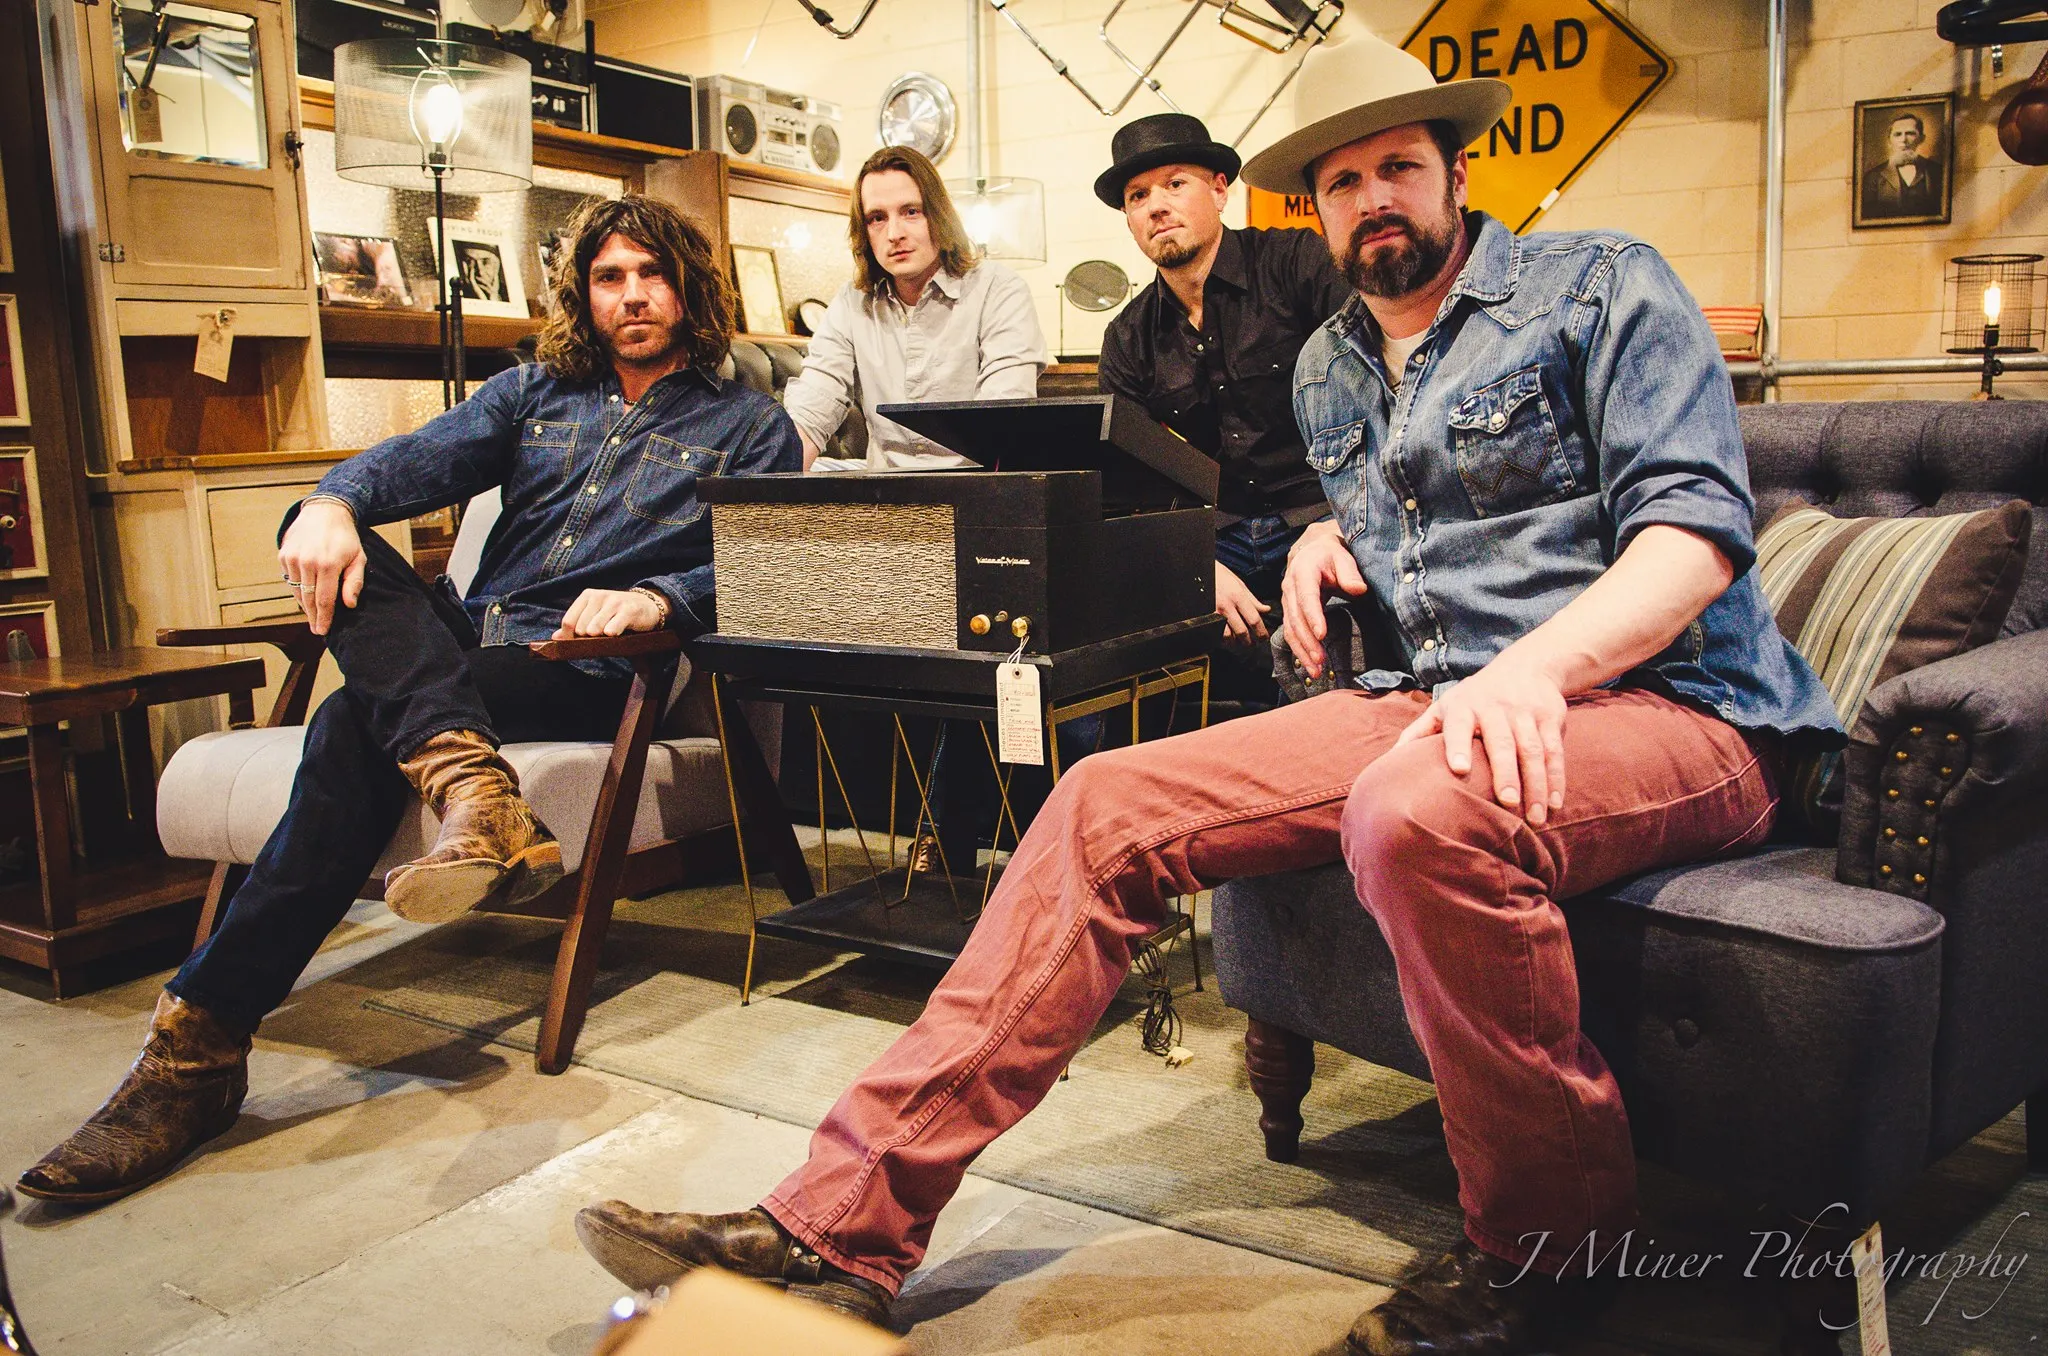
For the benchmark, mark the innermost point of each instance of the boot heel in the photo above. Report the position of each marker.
(441, 893)
(532, 874)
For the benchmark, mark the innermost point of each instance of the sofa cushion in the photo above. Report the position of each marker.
(222, 793)
(1867, 599)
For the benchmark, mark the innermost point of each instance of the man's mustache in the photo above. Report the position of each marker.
(1371, 226)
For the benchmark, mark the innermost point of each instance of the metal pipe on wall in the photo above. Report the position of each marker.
(1777, 44)
(1772, 369)
(975, 103)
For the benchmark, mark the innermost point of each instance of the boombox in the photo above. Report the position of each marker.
(747, 121)
(1091, 524)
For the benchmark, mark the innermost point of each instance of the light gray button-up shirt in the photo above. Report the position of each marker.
(968, 338)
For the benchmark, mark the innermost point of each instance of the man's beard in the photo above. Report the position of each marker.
(1399, 268)
(1167, 254)
(660, 342)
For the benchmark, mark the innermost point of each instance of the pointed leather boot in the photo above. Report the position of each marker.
(185, 1088)
(491, 847)
(647, 1251)
(1470, 1303)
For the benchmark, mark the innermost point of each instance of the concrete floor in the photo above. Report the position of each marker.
(390, 1186)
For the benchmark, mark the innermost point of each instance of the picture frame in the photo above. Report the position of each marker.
(6, 236)
(484, 267)
(39, 621)
(13, 367)
(1903, 162)
(23, 552)
(361, 270)
(759, 283)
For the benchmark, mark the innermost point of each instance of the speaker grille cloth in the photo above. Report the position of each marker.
(854, 574)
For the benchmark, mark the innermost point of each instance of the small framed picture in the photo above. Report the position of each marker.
(27, 631)
(13, 367)
(760, 288)
(23, 554)
(6, 238)
(483, 268)
(1905, 161)
(360, 270)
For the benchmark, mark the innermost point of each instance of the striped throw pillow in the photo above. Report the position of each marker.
(1867, 599)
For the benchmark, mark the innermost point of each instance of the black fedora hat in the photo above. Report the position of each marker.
(1161, 139)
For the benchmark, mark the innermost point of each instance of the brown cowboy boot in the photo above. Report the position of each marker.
(647, 1251)
(1470, 1303)
(185, 1088)
(491, 846)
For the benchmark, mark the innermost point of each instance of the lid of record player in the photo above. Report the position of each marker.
(1143, 464)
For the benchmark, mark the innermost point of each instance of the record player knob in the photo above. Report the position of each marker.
(978, 623)
(1021, 627)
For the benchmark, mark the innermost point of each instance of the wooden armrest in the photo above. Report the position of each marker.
(289, 636)
(632, 645)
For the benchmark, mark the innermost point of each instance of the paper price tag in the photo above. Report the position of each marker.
(1866, 1254)
(147, 115)
(216, 344)
(1020, 737)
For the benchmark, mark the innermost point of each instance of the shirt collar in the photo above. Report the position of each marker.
(703, 375)
(945, 280)
(1228, 265)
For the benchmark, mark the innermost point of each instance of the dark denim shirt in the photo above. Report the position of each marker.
(1568, 394)
(598, 494)
(1227, 388)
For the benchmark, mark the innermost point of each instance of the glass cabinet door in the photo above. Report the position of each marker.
(195, 103)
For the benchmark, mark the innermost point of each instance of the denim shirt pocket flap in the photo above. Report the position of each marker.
(1508, 451)
(664, 484)
(1334, 446)
(549, 433)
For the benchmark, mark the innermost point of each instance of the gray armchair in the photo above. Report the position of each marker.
(1813, 1023)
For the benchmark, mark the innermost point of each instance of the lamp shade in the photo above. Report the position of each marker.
(1006, 217)
(404, 105)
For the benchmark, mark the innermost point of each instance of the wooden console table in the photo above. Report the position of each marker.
(76, 914)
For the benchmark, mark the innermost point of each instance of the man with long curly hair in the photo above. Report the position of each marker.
(597, 450)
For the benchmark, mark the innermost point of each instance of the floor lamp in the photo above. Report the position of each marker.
(412, 110)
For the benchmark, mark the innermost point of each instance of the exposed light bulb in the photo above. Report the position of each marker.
(1994, 302)
(437, 109)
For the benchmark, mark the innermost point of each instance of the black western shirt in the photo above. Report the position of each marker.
(1228, 388)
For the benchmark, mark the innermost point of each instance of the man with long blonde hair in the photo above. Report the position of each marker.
(597, 451)
(926, 318)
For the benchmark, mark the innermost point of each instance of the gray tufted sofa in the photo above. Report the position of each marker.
(1800, 1025)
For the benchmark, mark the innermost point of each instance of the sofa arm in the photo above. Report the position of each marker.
(1933, 748)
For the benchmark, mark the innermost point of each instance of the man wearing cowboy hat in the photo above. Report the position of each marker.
(1209, 349)
(1539, 489)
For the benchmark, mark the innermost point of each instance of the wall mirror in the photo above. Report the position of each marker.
(191, 85)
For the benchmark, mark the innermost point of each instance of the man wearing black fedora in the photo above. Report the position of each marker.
(1209, 349)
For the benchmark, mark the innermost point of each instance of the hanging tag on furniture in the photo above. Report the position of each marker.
(1020, 738)
(1866, 1254)
(148, 116)
(216, 344)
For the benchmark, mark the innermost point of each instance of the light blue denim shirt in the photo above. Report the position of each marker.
(1568, 395)
(598, 494)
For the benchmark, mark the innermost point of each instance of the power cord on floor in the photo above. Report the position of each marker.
(1159, 1028)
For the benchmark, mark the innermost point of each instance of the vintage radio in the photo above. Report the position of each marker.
(747, 121)
(326, 24)
(1090, 523)
(643, 103)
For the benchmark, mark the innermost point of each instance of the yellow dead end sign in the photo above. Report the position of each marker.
(1579, 73)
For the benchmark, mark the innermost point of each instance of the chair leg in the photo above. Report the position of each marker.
(1282, 1065)
(227, 878)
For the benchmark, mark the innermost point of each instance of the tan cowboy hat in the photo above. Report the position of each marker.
(1349, 89)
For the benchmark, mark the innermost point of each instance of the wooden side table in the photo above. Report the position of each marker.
(72, 915)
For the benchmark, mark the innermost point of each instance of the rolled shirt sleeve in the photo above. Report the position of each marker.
(1661, 410)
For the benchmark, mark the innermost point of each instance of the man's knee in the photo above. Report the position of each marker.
(1406, 814)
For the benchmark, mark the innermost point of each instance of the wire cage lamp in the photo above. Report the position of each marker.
(1993, 308)
(410, 111)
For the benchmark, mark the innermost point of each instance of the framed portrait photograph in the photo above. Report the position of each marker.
(23, 555)
(1905, 160)
(483, 268)
(13, 368)
(760, 287)
(360, 270)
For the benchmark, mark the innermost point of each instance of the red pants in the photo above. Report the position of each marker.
(1464, 890)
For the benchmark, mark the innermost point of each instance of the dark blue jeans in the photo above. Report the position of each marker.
(1255, 550)
(411, 669)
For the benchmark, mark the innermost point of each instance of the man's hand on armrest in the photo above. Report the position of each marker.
(323, 560)
(611, 612)
(1318, 562)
